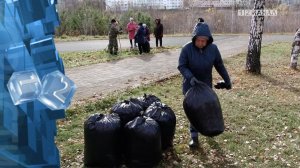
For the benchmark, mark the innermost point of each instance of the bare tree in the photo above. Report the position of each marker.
(254, 48)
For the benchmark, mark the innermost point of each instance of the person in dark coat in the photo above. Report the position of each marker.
(146, 48)
(140, 37)
(158, 32)
(147, 32)
(196, 63)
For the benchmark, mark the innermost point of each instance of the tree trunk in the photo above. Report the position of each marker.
(295, 50)
(254, 48)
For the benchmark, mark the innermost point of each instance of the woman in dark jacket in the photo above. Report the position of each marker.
(158, 32)
(140, 37)
(146, 48)
(196, 62)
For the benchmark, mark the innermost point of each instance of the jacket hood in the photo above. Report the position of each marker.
(202, 29)
(158, 21)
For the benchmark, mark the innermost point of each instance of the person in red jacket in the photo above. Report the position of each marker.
(131, 29)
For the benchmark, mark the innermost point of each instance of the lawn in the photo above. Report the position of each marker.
(65, 38)
(261, 116)
(83, 58)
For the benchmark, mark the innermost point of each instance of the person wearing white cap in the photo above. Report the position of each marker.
(131, 29)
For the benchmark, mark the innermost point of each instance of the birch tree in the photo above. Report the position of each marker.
(254, 48)
(295, 50)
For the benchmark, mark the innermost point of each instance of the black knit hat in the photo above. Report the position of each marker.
(201, 20)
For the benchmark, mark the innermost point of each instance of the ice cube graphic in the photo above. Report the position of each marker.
(27, 126)
(57, 91)
(24, 87)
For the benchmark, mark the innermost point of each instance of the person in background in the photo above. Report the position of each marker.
(140, 37)
(147, 37)
(131, 29)
(113, 35)
(158, 32)
(196, 63)
(295, 50)
(147, 32)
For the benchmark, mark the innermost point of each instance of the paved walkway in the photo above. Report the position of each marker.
(93, 45)
(104, 78)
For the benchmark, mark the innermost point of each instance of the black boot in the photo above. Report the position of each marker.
(194, 143)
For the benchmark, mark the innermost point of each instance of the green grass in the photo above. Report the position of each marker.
(65, 38)
(261, 115)
(76, 59)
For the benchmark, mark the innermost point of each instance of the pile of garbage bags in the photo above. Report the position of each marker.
(135, 133)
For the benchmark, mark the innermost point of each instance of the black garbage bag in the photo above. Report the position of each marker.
(101, 141)
(127, 111)
(203, 109)
(143, 143)
(146, 47)
(166, 119)
(145, 101)
(139, 101)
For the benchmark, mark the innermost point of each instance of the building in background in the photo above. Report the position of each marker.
(290, 2)
(119, 5)
(218, 3)
(124, 5)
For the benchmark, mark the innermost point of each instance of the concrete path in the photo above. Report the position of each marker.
(100, 79)
(93, 45)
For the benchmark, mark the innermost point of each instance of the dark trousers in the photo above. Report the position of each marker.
(134, 42)
(113, 46)
(160, 40)
(146, 47)
(141, 46)
(193, 131)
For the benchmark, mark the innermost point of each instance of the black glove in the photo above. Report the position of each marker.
(228, 86)
(194, 81)
(220, 85)
(223, 85)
